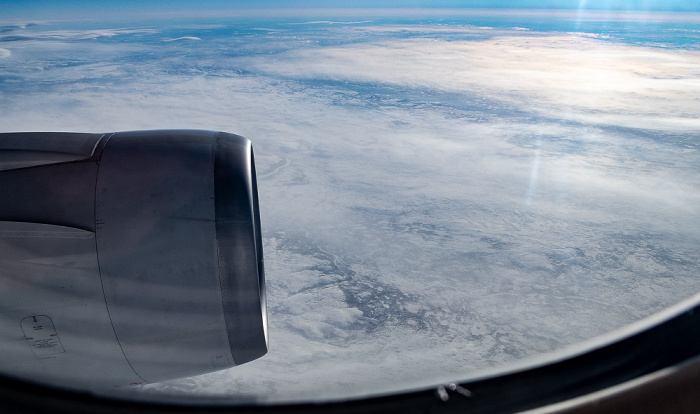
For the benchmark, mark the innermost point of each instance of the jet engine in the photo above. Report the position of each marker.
(128, 257)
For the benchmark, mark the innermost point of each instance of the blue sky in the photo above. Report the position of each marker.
(62, 9)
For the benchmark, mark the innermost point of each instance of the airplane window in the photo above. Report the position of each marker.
(441, 191)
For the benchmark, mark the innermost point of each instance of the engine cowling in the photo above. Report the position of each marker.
(129, 257)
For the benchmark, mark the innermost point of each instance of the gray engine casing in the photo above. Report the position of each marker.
(128, 257)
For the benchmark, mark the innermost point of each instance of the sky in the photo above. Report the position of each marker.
(62, 9)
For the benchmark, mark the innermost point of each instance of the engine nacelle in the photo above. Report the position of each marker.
(128, 257)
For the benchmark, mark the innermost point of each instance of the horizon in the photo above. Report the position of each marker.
(62, 10)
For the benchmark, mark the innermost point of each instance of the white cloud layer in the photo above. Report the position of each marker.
(69, 35)
(571, 77)
(183, 38)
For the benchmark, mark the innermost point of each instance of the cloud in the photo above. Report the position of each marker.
(329, 22)
(71, 35)
(183, 38)
(4, 53)
(14, 27)
(574, 77)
